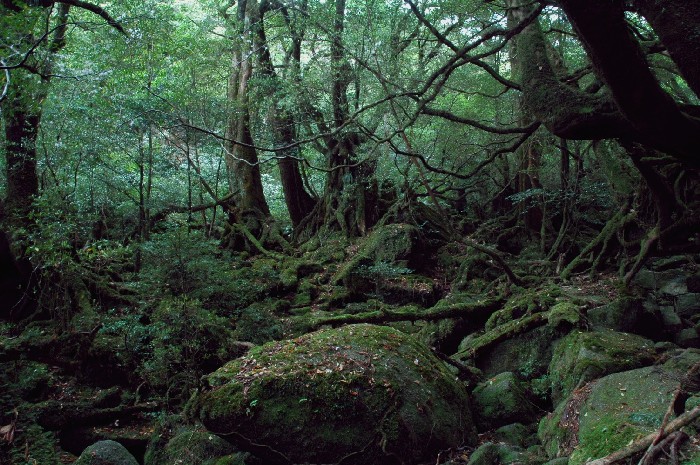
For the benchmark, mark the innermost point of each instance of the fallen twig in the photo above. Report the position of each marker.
(641, 444)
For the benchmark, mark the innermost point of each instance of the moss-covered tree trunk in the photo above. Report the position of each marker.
(249, 211)
(283, 121)
(349, 198)
(22, 109)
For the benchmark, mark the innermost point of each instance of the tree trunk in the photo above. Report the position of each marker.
(21, 131)
(677, 24)
(22, 114)
(348, 200)
(283, 123)
(241, 157)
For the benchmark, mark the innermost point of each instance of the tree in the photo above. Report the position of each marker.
(41, 35)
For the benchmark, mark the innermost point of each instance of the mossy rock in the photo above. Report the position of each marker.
(516, 434)
(501, 400)
(361, 394)
(106, 453)
(527, 354)
(584, 356)
(193, 447)
(605, 415)
(494, 454)
(629, 314)
(387, 246)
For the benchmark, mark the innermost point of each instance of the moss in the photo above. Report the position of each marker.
(609, 435)
(106, 452)
(607, 414)
(555, 438)
(334, 392)
(502, 400)
(233, 459)
(583, 356)
(564, 312)
(386, 244)
(524, 302)
(192, 447)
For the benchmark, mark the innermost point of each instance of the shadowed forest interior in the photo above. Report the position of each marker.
(353, 232)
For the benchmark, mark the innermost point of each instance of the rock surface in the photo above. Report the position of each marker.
(583, 356)
(361, 394)
(501, 400)
(605, 415)
(106, 453)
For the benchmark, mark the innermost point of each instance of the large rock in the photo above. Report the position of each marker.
(605, 415)
(361, 394)
(528, 353)
(106, 453)
(584, 356)
(501, 400)
(191, 447)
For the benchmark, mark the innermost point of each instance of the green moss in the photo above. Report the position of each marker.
(330, 393)
(553, 436)
(384, 245)
(524, 302)
(564, 312)
(609, 434)
(583, 356)
(193, 447)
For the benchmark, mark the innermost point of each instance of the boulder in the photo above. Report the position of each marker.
(361, 394)
(606, 414)
(495, 454)
(584, 356)
(516, 434)
(528, 353)
(688, 305)
(192, 447)
(501, 400)
(106, 453)
(629, 315)
(688, 337)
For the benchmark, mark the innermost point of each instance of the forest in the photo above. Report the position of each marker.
(349, 232)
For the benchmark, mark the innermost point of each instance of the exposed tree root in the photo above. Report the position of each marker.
(623, 216)
(502, 333)
(411, 313)
(55, 415)
(641, 444)
(512, 277)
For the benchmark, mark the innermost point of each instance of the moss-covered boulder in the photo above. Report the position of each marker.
(584, 356)
(192, 447)
(527, 354)
(495, 454)
(106, 453)
(360, 394)
(605, 415)
(501, 400)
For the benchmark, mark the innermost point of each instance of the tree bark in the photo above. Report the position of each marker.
(638, 109)
(22, 114)
(245, 181)
(676, 22)
(620, 62)
(282, 124)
